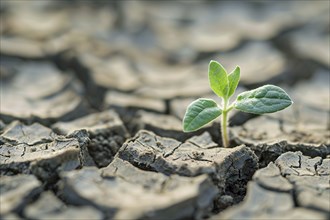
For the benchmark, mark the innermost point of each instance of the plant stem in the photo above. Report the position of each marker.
(224, 132)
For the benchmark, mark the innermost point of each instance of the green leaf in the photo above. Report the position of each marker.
(233, 79)
(218, 79)
(199, 113)
(265, 99)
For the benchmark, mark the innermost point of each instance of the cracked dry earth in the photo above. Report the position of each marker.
(92, 102)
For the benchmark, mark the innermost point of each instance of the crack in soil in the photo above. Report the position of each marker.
(147, 146)
(167, 154)
(23, 153)
(319, 163)
(199, 159)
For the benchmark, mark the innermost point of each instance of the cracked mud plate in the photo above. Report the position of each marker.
(37, 149)
(294, 187)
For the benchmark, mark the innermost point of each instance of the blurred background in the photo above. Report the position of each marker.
(63, 59)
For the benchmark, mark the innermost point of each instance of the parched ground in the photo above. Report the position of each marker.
(93, 94)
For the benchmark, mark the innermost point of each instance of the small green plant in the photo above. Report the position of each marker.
(265, 99)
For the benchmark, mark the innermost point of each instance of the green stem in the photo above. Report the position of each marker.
(230, 108)
(224, 132)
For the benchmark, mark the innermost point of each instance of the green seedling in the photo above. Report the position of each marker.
(265, 99)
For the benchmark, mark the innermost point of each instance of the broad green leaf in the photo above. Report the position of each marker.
(265, 99)
(199, 113)
(233, 79)
(218, 79)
